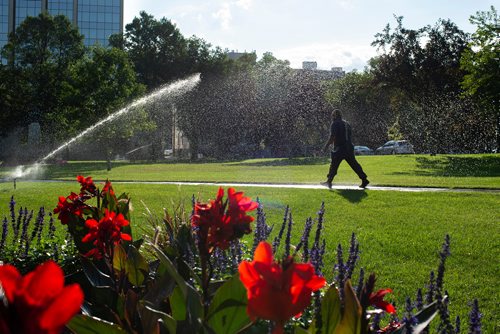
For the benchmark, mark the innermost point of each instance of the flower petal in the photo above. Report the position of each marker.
(62, 308)
(9, 277)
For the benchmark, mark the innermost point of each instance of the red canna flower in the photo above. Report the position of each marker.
(105, 233)
(108, 188)
(377, 300)
(87, 186)
(216, 226)
(277, 291)
(68, 207)
(37, 303)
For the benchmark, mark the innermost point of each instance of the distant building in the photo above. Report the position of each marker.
(309, 65)
(310, 68)
(96, 19)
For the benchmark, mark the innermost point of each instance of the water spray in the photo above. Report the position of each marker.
(173, 89)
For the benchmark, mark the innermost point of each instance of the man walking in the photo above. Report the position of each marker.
(340, 137)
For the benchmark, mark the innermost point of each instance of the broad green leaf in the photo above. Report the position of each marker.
(300, 330)
(96, 277)
(227, 312)
(150, 319)
(84, 324)
(424, 317)
(119, 258)
(330, 311)
(192, 298)
(178, 304)
(137, 266)
(351, 319)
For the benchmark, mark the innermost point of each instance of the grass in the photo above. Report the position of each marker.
(453, 171)
(400, 234)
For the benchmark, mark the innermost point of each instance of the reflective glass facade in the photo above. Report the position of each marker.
(61, 7)
(4, 22)
(98, 19)
(26, 8)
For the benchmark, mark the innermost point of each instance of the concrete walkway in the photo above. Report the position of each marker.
(290, 186)
(318, 186)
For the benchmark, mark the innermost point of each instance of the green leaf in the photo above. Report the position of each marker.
(119, 258)
(150, 317)
(84, 324)
(424, 317)
(178, 305)
(96, 277)
(227, 312)
(330, 311)
(137, 266)
(192, 298)
(351, 319)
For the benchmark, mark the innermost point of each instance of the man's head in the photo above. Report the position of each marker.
(336, 114)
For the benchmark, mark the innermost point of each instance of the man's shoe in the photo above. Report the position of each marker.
(326, 184)
(364, 183)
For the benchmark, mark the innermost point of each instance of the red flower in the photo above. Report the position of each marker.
(37, 303)
(277, 291)
(108, 188)
(69, 206)
(377, 300)
(105, 233)
(87, 186)
(217, 227)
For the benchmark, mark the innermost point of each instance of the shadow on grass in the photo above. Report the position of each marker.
(73, 169)
(456, 166)
(286, 162)
(353, 196)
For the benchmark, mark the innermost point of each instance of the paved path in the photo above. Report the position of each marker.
(294, 186)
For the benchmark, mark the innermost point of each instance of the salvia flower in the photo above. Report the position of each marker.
(37, 303)
(5, 231)
(277, 239)
(262, 230)
(277, 291)
(219, 222)
(105, 233)
(12, 208)
(409, 320)
(475, 318)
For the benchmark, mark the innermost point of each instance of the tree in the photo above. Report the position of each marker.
(420, 61)
(157, 49)
(104, 82)
(481, 64)
(41, 51)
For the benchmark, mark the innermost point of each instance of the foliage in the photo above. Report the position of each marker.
(481, 64)
(156, 47)
(40, 53)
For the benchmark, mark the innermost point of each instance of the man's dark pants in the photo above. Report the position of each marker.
(347, 155)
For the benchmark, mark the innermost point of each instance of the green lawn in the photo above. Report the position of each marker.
(400, 234)
(453, 171)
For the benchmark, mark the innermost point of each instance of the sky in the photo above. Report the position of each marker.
(334, 33)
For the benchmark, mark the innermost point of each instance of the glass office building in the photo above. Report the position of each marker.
(96, 19)
(4, 22)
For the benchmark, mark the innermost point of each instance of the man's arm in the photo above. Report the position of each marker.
(328, 143)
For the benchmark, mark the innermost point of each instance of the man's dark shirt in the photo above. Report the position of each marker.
(341, 132)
